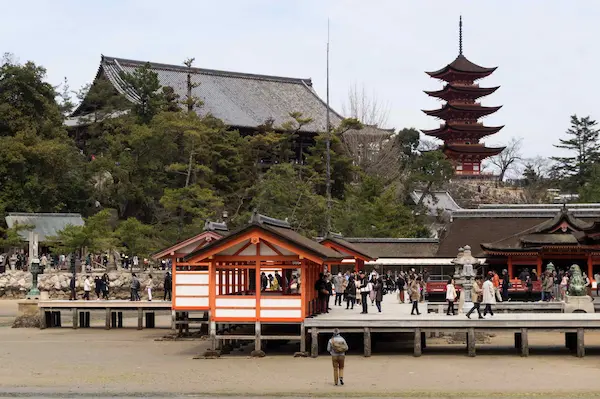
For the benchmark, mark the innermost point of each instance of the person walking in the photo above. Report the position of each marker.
(563, 286)
(505, 285)
(72, 283)
(400, 287)
(597, 278)
(378, 289)
(415, 295)
(105, 285)
(350, 293)
(322, 294)
(476, 297)
(450, 297)
(168, 286)
(149, 287)
(135, 286)
(547, 285)
(97, 287)
(337, 347)
(365, 288)
(489, 296)
(338, 285)
(529, 289)
(329, 287)
(87, 288)
(496, 282)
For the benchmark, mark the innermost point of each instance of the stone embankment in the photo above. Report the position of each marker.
(16, 284)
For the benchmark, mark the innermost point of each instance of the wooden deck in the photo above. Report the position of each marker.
(396, 318)
(113, 309)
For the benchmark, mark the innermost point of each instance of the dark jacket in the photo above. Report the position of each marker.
(168, 283)
(378, 288)
(351, 289)
(320, 287)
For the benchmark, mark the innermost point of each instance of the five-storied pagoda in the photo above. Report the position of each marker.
(461, 130)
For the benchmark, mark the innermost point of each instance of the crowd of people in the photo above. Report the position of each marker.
(101, 287)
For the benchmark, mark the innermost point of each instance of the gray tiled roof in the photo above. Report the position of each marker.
(443, 202)
(238, 99)
(46, 224)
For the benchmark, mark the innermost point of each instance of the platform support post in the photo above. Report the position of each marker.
(471, 342)
(418, 349)
(257, 336)
(140, 318)
(524, 342)
(213, 335)
(42, 318)
(580, 343)
(314, 342)
(107, 319)
(75, 318)
(302, 338)
(367, 341)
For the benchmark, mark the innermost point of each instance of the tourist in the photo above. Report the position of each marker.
(97, 287)
(322, 294)
(425, 275)
(534, 276)
(294, 285)
(476, 296)
(564, 283)
(489, 296)
(400, 287)
(358, 284)
(279, 281)
(105, 285)
(350, 293)
(87, 287)
(524, 274)
(505, 285)
(329, 287)
(528, 289)
(378, 290)
(414, 295)
(72, 283)
(168, 286)
(450, 297)
(496, 282)
(149, 286)
(338, 347)
(274, 283)
(264, 281)
(365, 289)
(338, 284)
(597, 278)
(588, 285)
(547, 285)
(135, 286)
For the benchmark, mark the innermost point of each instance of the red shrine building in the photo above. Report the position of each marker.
(461, 130)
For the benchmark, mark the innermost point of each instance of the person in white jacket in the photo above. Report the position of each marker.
(450, 297)
(489, 296)
(149, 287)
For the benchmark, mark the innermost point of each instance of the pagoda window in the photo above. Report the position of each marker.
(459, 167)
(476, 166)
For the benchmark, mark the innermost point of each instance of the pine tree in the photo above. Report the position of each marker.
(582, 141)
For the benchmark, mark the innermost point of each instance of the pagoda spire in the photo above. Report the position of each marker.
(460, 35)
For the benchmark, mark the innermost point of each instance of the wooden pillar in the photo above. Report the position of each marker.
(227, 288)
(302, 338)
(75, 318)
(257, 336)
(303, 292)
(539, 266)
(367, 341)
(314, 342)
(107, 319)
(140, 318)
(524, 343)
(212, 288)
(258, 288)
(213, 335)
(471, 342)
(590, 267)
(580, 343)
(359, 265)
(417, 349)
(510, 268)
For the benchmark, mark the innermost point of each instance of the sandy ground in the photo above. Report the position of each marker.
(116, 363)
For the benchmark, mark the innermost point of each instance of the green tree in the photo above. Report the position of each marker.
(431, 169)
(138, 238)
(95, 236)
(582, 142)
(590, 191)
(144, 83)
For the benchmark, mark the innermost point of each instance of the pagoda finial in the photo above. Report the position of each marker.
(460, 35)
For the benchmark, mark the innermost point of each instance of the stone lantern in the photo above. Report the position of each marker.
(464, 273)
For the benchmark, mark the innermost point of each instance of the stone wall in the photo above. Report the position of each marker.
(16, 284)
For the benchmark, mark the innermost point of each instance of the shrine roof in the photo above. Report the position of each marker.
(483, 130)
(480, 109)
(212, 231)
(359, 250)
(462, 64)
(473, 149)
(280, 229)
(479, 91)
(241, 100)
(397, 247)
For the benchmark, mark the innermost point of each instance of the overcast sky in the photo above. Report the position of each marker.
(546, 51)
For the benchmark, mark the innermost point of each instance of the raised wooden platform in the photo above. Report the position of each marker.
(113, 309)
(396, 318)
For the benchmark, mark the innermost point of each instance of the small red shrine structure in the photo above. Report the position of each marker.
(461, 131)
(563, 240)
(223, 275)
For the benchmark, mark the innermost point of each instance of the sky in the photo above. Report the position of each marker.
(546, 50)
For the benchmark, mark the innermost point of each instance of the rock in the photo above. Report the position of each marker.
(300, 354)
(258, 353)
(212, 354)
(27, 321)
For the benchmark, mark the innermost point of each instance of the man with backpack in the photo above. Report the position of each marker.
(337, 346)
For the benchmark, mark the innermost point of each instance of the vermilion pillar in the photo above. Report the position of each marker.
(590, 267)
(539, 265)
(510, 268)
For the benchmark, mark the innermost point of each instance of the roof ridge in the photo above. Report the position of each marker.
(183, 68)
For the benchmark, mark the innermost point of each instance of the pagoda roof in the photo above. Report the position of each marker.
(476, 108)
(475, 91)
(564, 229)
(462, 65)
(473, 149)
(477, 129)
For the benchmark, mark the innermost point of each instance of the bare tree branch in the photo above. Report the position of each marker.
(366, 108)
(509, 159)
